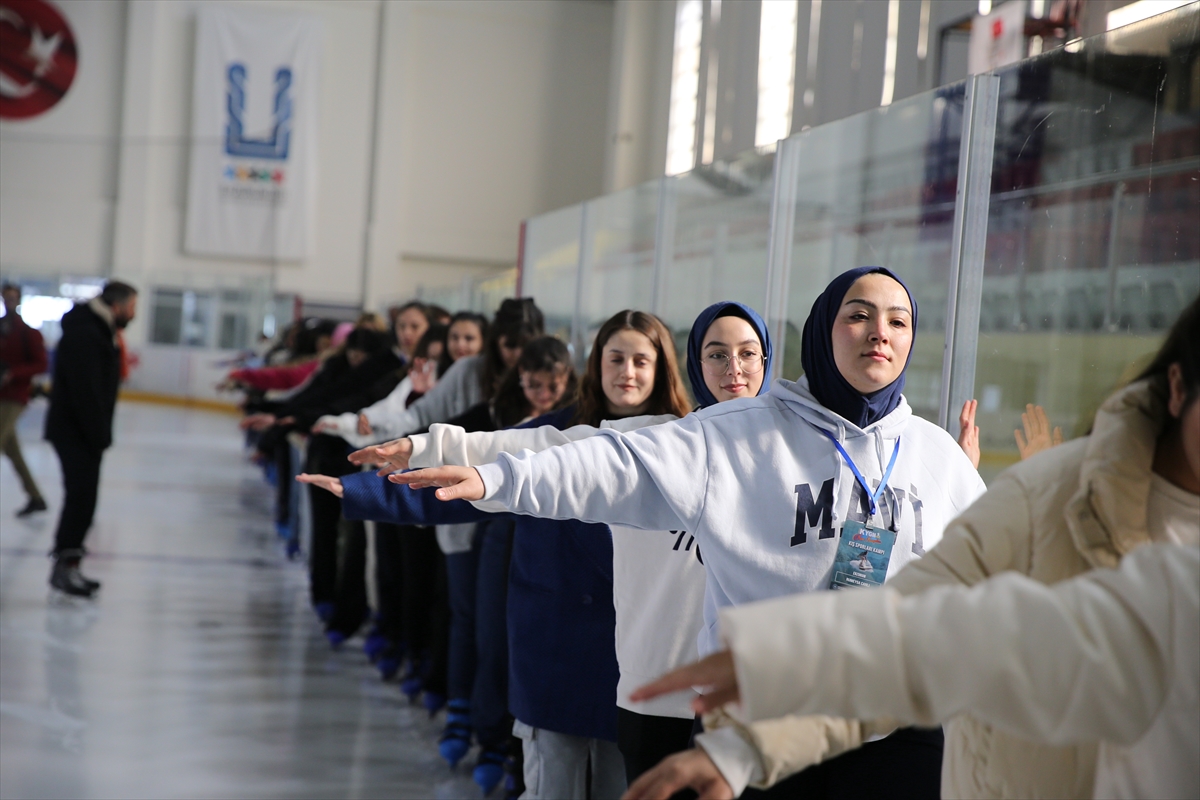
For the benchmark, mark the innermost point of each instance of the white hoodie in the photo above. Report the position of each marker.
(758, 484)
(378, 415)
(658, 581)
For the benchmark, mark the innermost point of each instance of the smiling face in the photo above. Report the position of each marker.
(732, 357)
(543, 390)
(464, 339)
(627, 369)
(872, 333)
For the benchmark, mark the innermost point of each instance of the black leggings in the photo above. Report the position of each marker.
(645, 740)
(906, 765)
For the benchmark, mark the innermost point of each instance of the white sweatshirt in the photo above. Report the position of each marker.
(758, 484)
(658, 581)
(378, 414)
(1111, 655)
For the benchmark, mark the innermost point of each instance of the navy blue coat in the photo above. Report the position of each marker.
(561, 620)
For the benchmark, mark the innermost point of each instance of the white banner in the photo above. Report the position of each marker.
(252, 185)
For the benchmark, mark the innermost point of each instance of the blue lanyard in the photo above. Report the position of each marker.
(887, 473)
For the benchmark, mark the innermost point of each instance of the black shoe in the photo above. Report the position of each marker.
(67, 578)
(34, 505)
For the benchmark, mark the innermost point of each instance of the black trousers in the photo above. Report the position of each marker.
(906, 765)
(389, 581)
(81, 484)
(326, 456)
(645, 740)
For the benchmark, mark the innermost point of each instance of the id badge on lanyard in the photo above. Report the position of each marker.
(864, 550)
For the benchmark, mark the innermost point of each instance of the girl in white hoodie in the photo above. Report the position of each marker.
(768, 485)
(658, 580)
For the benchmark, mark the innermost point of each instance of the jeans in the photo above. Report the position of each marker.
(557, 765)
(81, 484)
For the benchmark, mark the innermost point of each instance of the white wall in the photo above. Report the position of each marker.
(484, 113)
(58, 171)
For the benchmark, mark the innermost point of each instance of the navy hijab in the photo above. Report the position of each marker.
(824, 380)
(696, 342)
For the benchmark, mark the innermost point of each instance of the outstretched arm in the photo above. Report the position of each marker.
(368, 496)
(653, 478)
(1086, 659)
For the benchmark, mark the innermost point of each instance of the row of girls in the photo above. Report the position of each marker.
(626, 522)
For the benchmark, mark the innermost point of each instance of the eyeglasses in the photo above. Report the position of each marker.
(717, 363)
(540, 386)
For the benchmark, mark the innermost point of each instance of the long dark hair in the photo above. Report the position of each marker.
(543, 354)
(516, 322)
(1182, 347)
(668, 395)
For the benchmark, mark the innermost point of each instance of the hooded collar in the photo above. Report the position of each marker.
(101, 310)
(695, 344)
(798, 397)
(1107, 516)
(816, 354)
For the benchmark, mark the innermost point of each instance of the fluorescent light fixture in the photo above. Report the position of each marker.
(685, 86)
(1142, 9)
(776, 70)
(711, 96)
(889, 53)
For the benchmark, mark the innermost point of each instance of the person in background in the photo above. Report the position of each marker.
(22, 355)
(87, 374)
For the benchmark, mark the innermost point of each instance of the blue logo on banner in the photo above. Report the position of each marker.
(274, 147)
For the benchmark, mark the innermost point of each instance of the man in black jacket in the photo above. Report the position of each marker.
(87, 374)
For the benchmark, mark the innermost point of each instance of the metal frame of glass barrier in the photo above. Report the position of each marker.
(975, 227)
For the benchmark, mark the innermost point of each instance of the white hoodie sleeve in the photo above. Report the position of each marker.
(654, 478)
(451, 445)
(1086, 659)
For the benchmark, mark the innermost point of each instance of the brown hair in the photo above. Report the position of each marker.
(1182, 347)
(668, 395)
(543, 354)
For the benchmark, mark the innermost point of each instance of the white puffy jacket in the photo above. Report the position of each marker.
(1113, 655)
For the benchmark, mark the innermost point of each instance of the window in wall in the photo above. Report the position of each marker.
(685, 86)
(776, 70)
(181, 317)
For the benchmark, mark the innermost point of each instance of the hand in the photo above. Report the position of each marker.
(364, 427)
(326, 482)
(257, 422)
(716, 673)
(968, 436)
(691, 768)
(1037, 432)
(390, 456)
(322, 425)
(457, 483)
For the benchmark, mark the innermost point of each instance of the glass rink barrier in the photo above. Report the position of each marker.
(1045, 215)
